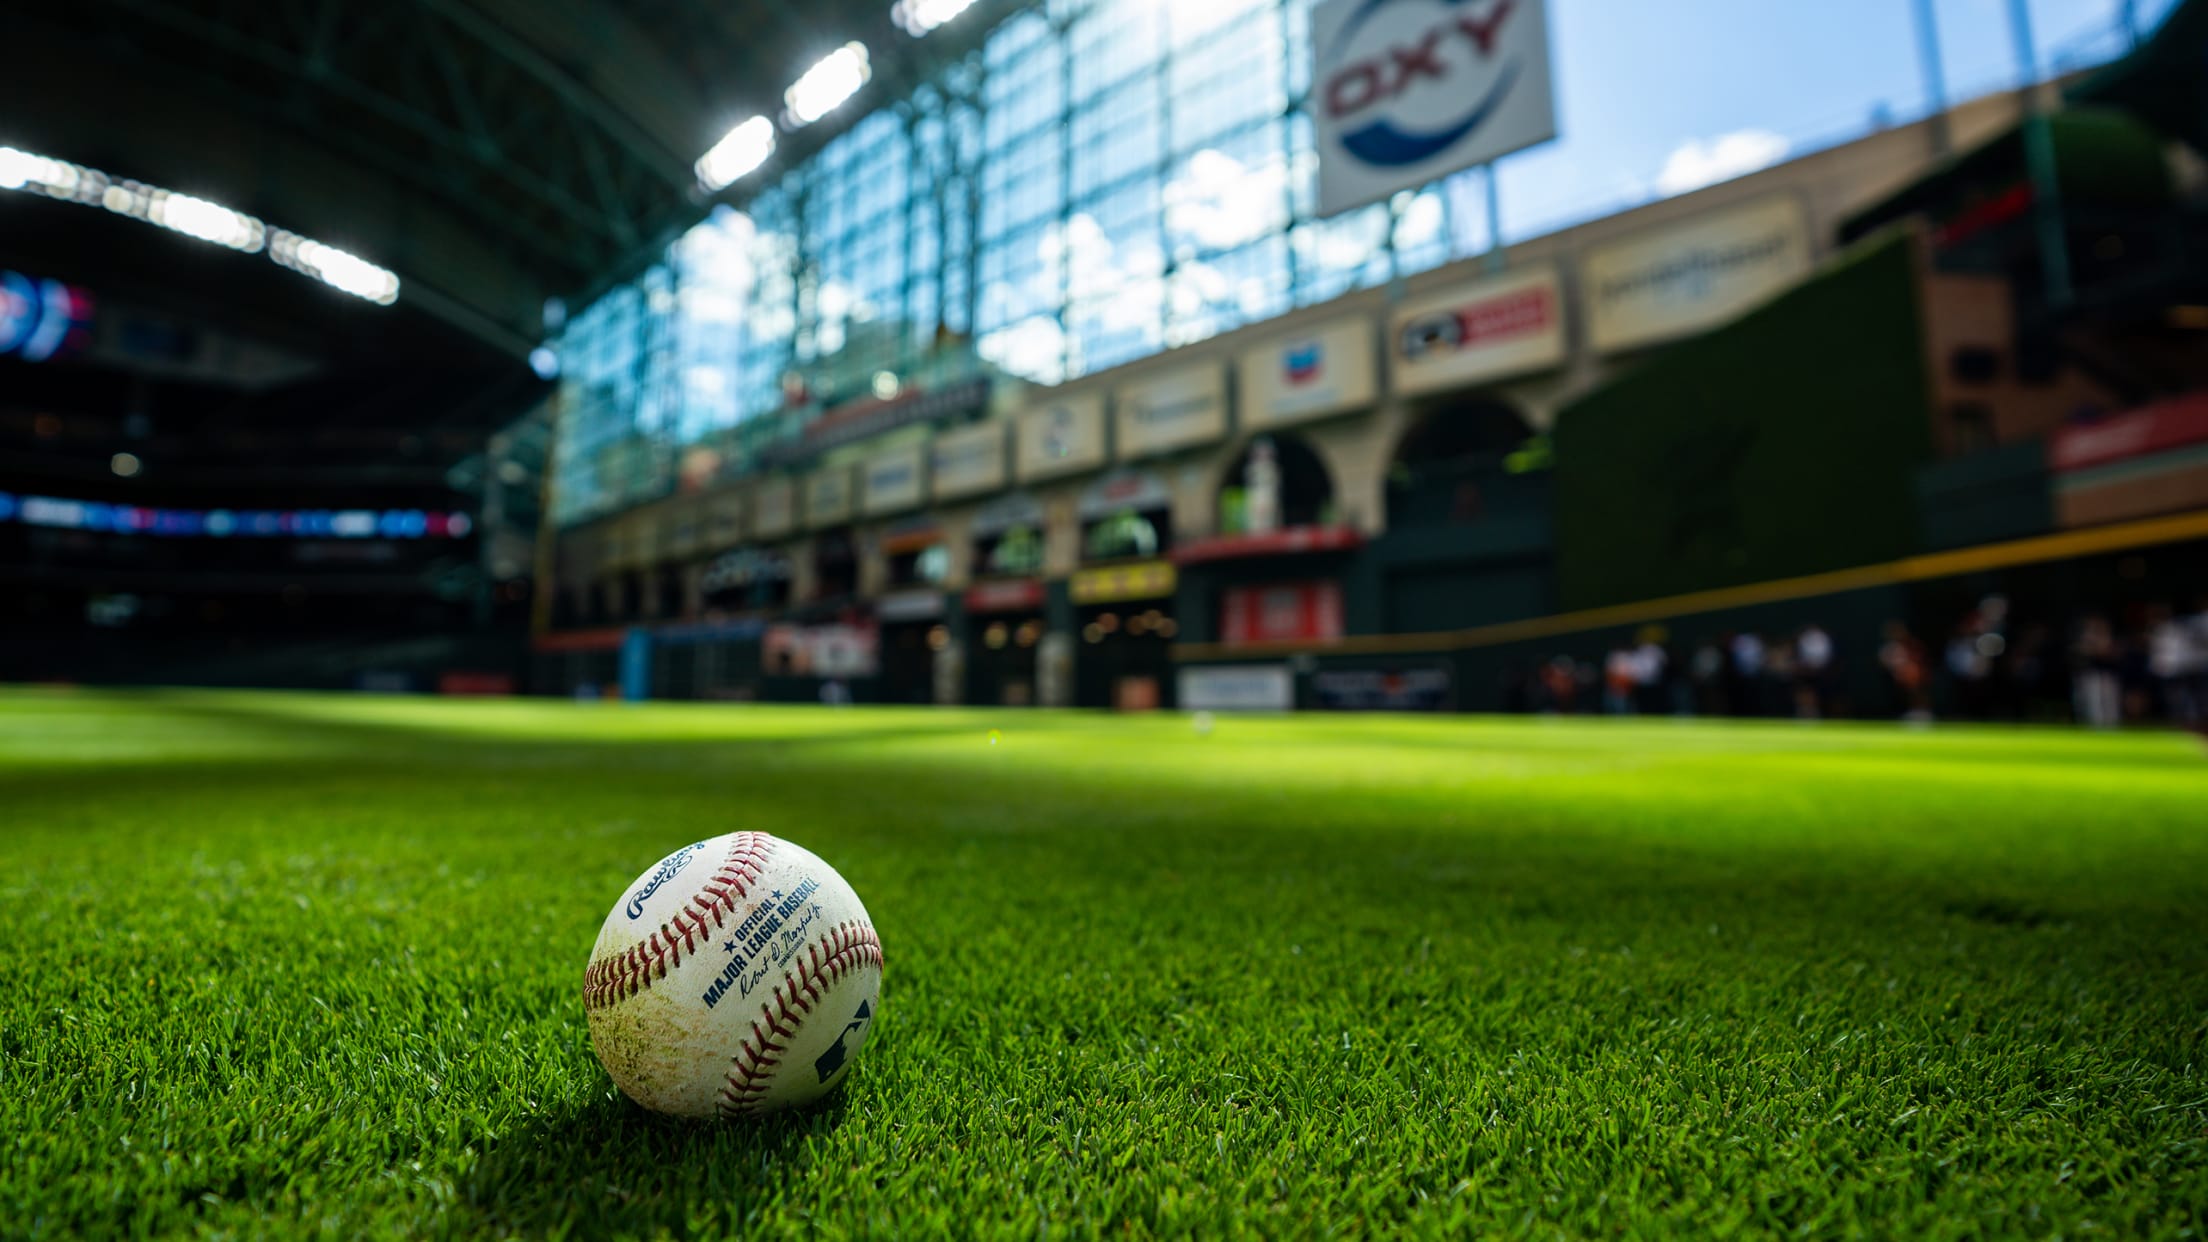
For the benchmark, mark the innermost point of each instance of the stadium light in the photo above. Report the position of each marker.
(339, 269)
(739, 151)
(213, 222)
(918, 17)
(196, 218)
(837, 77)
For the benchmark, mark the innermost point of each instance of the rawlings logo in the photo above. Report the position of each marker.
(668, 870)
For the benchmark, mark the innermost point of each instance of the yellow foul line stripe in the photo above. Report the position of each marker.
(2035, 550)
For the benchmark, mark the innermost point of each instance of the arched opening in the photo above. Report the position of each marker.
(1279, 482)
(1448, 465)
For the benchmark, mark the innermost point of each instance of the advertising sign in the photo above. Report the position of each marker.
(1122, 490)
(1238, 688)
(1407, 91)
(1693, 275)
(821, 650)
(828, 499)
(1327, 370)
(1175, 410)
(1377, 690)
(1062, 438)
(893, 480)
(1117, 584)
(915, 605)
(968, 462)
(1486, 330)
(774, 508)
(1294, 612)
(724, 523)
(1012, 595)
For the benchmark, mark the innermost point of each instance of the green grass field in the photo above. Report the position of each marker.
(311, 965)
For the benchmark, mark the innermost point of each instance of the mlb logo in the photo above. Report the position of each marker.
(1303, 362)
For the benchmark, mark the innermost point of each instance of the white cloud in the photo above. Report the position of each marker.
(1700, 162)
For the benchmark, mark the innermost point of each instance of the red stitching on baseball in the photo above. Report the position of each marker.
(619, 976)
(848, 946)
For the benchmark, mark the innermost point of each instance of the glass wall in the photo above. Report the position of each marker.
(1102, 180)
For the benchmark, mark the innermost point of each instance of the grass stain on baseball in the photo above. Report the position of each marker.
(284, 965)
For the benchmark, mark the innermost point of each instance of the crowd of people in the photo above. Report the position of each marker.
(2102, 670)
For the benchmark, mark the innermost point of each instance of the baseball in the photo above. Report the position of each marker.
(738, 976)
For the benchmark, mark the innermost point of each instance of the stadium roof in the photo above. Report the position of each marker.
(490, 153)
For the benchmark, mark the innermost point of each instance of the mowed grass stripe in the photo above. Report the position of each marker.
(309, 966)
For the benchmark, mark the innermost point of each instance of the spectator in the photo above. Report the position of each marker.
(1744, 674)
(1812, 672)
(2095, 689)
(1650, 663)
(2171, 661)
(1904, 660)
(1620, 677)
(1707, 670)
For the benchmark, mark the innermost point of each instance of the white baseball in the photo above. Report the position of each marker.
(740, 975)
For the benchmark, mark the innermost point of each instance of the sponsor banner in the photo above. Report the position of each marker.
(828, 498)
(1115, 584)
(685, 529)
(608, 639)
(774, 508)
(1011, 595)
(724, 522)
(1123, 490)
(894, 480)
(1694, 275)
(820, 650)
(1327, 370)
(1013, 509)
(1404, 92)
(690, 634)
(1293, 612)
(1378, 690)
(1175, 410)
(866, 418)
(1237, 688)
(1061, 438)
(910, 606)
(1487, 330)
(967, 462)
(2156, 428)
(1294, 541)
(743, 567)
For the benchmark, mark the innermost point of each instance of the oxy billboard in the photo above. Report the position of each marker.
(1405, 91)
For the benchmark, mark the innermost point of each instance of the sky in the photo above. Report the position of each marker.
(1660, 96)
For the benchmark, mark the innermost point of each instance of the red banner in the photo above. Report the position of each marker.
(2150, 429)
(1295, 612)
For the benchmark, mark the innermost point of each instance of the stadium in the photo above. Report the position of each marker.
(1194, 617)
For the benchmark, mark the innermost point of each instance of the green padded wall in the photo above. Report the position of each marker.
(1784, 443)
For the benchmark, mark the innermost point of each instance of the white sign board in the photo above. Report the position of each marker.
(1482, 331)
(1174, 410)
(1326, 370)
(1694, 275)
(1238, 688)
(1061, 438)
(893, 480)
(969, 461)
(774, 508)
(828, 496)
(1407, 91)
